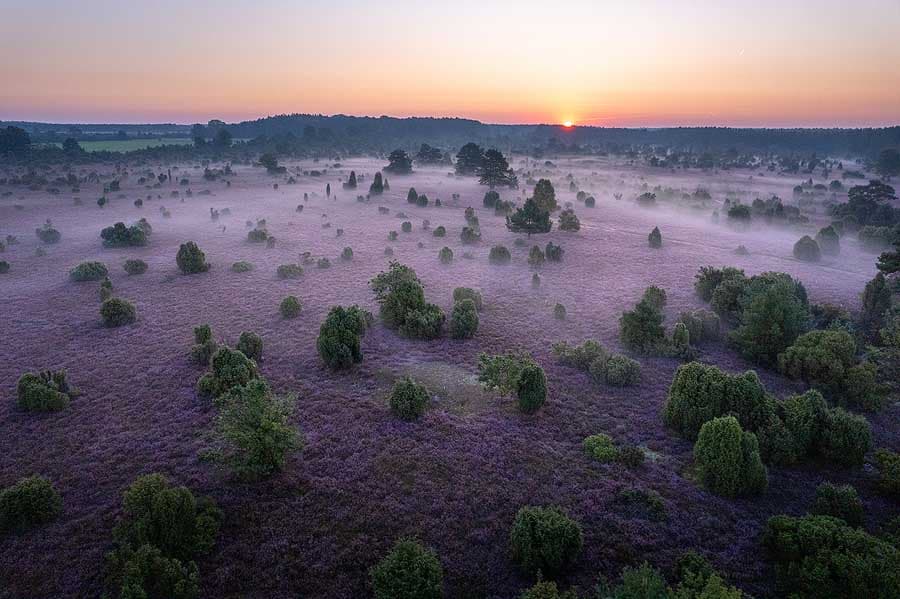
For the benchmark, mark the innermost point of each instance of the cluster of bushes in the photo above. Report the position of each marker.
(28, 503)
(89, 271)
(44, 391)
(770, 309)
(823, 556)
(161, 531)
(515, 373)
(787, 431)
(826, 360)
(120, 235)
(605, 367)
(191, 259)
(229, 368)
(403, 305)
(568, 221)
(338, 343)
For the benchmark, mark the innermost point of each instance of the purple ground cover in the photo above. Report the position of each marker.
(455, 478)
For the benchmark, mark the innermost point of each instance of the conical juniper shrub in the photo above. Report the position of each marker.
(464, 319)
(728, 459)
(531, 389)
(338, 343)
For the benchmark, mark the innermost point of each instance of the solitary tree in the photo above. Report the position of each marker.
(529, 219)
(469, 159)
(495, 172)
(71, 146)
(351, 182)
(400, 163)
(377, 186)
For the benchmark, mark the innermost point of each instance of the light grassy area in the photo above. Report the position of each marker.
(127, 145)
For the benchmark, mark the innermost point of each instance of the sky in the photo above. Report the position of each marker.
(779, 63)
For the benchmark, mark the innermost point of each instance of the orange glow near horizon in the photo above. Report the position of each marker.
(645, 63)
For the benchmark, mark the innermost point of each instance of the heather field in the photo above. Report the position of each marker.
(454, 478)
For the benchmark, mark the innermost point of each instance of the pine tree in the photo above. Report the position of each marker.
(529, 219)
(495, 172)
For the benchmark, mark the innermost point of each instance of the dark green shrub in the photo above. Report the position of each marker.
(338, 343)
(120, 235)
(821, 556)
(726, 299)
(807, 249)
(254, 430)
(204, 346)
(553, 252)
(146, 572)
(641, 329)
(408, 399)
(631, 456)
(323, 263)
(423, 322)
(289, 271)
(347, 254)
(774, 314)
(846, 438)
(559, 312)
(643, 582)
(708, 278)
(840, 501)
(406, 226)
(728, 459)
(439, 231)
(117, 312)
(228, 368)
(45, 391)
(135, 267)
(622, 371)
(411, 196)
(547, 590)
(250, 344)
(191, 259)
(702, 325)
(829, 241)
(241, 266)
(408, 571)
(490, 199)
(545, 540)
(806, 417)
(47, 234)
(30, 502)
(535, 256)
(4, 267)
(531, 388)
(464, 319)
(89, 271)
(889, 469)
(568, 221)
(600, 447)
(290, 307)
(106, 289)
(499, 254)
(502, 372)
(462, 293)
(257, 236)
(445, 255)
(701, 392)
(654, 239)
(168, 518)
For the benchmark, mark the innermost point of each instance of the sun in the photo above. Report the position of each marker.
(568, 124)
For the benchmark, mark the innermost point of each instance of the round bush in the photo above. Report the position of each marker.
(807, 249)
(499, 254)
(445, 255)
(135, 267)
(406, 226)
(89, 271)
(544, 539)
(289, 271)
(117, 312)
(531, 389)
(846, 438)
(228, 368)
(464, 320)
(439, 231)
(241, 266)
(728, 459)
(409, 571)
(250, 344)
(461, 293)
(30, 502)
(408, 399)
(191, 259)
(600, 447)
(290, 307)
(622, 371)
(840, 501)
